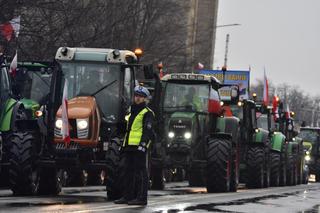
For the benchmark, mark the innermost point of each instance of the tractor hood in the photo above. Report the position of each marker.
(30, 104)
(79, 107)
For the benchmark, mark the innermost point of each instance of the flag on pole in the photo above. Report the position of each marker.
(265, 90)
(200, 66)
(160, 67)
(13, 26)
(14, 65)
(287, 111)
(65, 123)
(275, 106)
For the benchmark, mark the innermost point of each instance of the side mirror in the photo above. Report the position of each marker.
(148, 71)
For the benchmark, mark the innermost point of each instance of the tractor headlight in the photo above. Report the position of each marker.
(171, 134)
(187, 135)
(82, 123)
(59, 123)
(307, 158)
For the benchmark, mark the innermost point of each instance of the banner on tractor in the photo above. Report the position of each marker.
(234, 77)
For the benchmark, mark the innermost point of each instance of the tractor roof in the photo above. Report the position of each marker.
(310, 128)
(189, 77)
(95, 54)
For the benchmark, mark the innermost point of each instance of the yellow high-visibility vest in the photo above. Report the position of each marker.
(135, 133)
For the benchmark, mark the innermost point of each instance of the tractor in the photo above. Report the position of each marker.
(254, 142)
(12, 112)
(311, 142)
(196, 137)
(99, 84)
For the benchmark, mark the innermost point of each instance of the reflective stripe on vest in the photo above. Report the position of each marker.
(136, 128)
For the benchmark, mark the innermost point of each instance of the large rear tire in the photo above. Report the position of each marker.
(275, 169)
(23, 174)
(290, 170)
(255, 167)
(219, 160)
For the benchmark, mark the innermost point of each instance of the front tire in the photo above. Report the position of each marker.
(50, 181)
(219, 160)
(255, 167)
(275, 169)
(23, 174)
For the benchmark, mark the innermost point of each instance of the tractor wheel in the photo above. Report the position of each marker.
(255, 167)
(77, 178)
(50, 181)
(234, 173)
(95, 178)
(23, 174)
(219, 164)
(179, 176)
(115, 170)
(283, 170)
(274, 169)
(290, 171)
(267, 169)
(157, 178)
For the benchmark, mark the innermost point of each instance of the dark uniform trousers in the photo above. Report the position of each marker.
(136, 179)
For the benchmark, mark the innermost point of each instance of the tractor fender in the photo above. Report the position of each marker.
(261, 137)
(277, 141)
(7, 115)
(14, 119)
(220, 135)
(228, 126)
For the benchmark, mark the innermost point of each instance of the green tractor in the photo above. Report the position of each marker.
(196, 137)
(12, 112)
(278, 146)
(100, 84)
(254, 142)
(311, 142)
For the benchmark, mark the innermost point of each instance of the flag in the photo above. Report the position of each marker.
(8, 28)
(14, 65)
(65, 123)
(287, 111)
(160, 66)
(214, 102)
(200, 66)
(265, 90)
(275, 106)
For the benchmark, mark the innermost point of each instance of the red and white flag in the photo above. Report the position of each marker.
(13, 26)
(265, 90)
(160, 66)
(200, 66)
(275, 106)
(214, 102)
(65, 123)
(14, 65)
(287, 111)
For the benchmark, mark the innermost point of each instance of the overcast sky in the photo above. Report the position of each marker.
(281, 35)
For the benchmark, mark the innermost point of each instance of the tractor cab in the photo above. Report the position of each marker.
(32, 85)
(100, 86)
(187, 101)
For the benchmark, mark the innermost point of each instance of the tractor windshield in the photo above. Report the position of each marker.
(34, 85)
(95, 79)
(308, 135)
(180, 96)
(262, 121)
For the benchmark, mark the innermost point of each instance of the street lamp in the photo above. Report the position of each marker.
(214, 38)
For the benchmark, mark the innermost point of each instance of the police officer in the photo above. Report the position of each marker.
(138, 137)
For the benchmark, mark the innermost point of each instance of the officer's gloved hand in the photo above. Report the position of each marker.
(142, 147)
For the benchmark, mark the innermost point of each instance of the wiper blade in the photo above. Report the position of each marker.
(104, 87)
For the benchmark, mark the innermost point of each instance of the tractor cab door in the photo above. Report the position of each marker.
(249, 120)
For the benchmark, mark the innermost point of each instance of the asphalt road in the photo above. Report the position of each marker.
(176, 198)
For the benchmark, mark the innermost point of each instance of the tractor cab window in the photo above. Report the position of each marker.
(308, 135)
(99, 80)
(262, 121)
(34, 85)
(128, 84)
(190, 97)
(4, 85)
